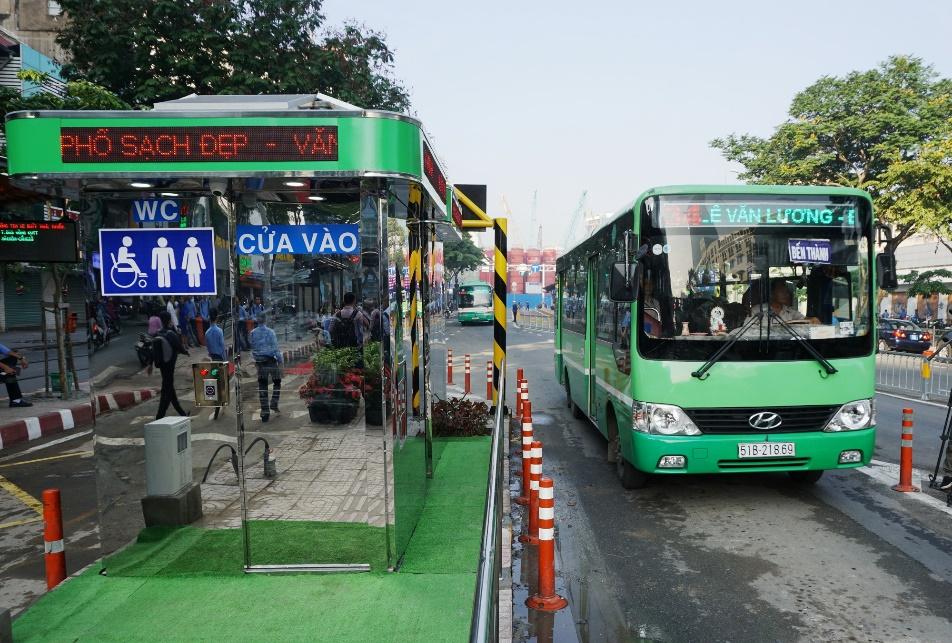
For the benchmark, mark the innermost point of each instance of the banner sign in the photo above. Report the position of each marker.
(809, 250)
(330, 239)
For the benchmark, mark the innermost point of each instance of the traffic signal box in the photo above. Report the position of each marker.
(211, 383)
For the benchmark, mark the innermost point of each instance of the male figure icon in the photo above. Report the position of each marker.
(163, 262)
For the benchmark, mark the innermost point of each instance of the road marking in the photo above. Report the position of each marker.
(888, 473)
(52, 457)
(912, 399)
(41, 447)
(25, 521)
(21, 495)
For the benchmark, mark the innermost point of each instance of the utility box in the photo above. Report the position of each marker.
(168, 456)
(211, 383)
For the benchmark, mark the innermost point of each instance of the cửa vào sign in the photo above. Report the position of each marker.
(329, 239)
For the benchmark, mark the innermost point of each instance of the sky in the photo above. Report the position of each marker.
(556, 98)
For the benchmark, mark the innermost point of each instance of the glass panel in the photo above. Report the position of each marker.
(157, 512)
(312, 381)
(717, 262)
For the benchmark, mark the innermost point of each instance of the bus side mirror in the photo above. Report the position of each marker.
(625, 282)
(886, 271)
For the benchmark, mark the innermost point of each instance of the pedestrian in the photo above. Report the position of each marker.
(9, 359)
(515, 311)
(166, 347)
(155, 325)
(268, 360)
(189, 311)
(215, 339)
(257, 308)
(349, 327)
(242, 325)
(204, 312)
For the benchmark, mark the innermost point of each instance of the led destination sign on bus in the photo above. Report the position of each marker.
(197, 144)
(682, 214)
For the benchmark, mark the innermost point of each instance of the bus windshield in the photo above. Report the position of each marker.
(475, 297)
(716, 262)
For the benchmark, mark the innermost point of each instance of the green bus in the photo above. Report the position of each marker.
(754, 349)
(474, 302)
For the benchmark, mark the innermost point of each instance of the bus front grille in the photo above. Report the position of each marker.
(762, 463)
(733, 420)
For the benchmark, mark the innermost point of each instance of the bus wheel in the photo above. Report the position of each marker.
(805, 477)
(629, 476)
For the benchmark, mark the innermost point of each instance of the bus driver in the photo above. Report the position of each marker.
(780, 300)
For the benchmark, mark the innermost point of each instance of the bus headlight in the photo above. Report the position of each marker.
(661, 419)
(853, 416)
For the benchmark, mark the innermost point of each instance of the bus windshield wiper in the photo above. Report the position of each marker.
(701, 373)
(830, 369)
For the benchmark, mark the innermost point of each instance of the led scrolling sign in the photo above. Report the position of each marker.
(432, 172)
(676, 214)
(197, 144)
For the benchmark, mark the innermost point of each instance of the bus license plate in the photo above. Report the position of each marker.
(766, 450)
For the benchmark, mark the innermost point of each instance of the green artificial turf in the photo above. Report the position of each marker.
(186, 584)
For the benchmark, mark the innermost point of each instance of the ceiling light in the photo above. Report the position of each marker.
(316, 197)
(295, 184)
(140, 184)
(169, 193)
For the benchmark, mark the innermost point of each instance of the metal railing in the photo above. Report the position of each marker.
(903, 373)
(485, 623)
(535, 319)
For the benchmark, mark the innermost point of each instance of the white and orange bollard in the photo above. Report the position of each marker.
(905, 455)
(467, 384)
(526, 453)
(546, 598)
(523, 396)
(519, 378)
(489, 381)
(55, 552)
(449, 365)
(531, 537)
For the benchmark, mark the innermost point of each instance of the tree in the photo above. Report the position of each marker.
(461, 255)
(928, 283)
(153, 50)
(885, 130)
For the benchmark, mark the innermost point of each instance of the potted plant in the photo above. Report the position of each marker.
(373, 384)
(333, 390)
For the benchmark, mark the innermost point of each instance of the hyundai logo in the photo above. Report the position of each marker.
(764, 421)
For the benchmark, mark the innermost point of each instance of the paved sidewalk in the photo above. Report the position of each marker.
(114, 390)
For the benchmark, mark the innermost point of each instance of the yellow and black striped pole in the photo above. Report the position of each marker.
(414, 317)
(501, 265)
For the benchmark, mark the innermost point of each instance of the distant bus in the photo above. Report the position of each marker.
(474, 302)
(753, 347)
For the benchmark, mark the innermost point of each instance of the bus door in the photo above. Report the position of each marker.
(591, 311)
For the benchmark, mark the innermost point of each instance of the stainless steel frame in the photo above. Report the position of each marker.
(485, 623)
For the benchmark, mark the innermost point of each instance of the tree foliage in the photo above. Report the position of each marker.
(461, 255)
(885, 130)
(153, 50)
(928, 283)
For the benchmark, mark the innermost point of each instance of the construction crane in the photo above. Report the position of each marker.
(576, 217)
(533, 225)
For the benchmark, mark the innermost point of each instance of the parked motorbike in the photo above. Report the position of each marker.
(144, 349)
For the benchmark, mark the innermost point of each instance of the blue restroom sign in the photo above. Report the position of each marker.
(331, 239)
(157, 261)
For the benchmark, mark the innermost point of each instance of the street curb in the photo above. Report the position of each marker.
(82, 415)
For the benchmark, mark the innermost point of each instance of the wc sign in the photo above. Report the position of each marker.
(150, 210)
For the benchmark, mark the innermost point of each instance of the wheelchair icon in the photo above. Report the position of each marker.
(126, 273)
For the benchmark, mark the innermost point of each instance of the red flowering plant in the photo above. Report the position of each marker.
(335, 374)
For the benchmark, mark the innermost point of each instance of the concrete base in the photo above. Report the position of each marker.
(183, 508)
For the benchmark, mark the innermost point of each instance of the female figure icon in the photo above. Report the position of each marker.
(193, 263)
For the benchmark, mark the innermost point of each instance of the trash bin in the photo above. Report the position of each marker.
(55, 380)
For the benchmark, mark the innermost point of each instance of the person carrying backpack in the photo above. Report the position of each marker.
(349, 327)
(166, 347)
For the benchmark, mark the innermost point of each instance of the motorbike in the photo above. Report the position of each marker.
(144, 349)
(98, 336)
